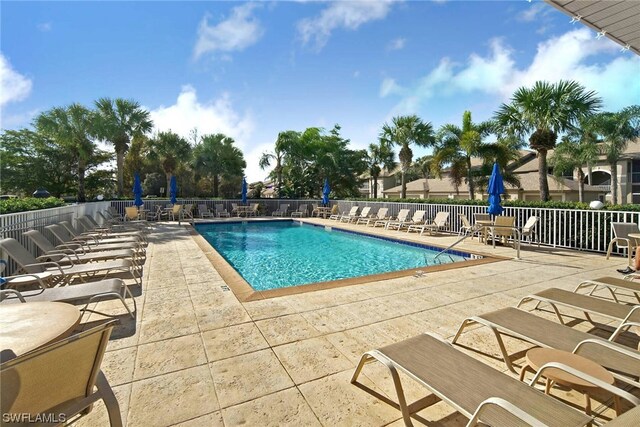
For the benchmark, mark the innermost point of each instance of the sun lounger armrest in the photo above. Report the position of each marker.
(4, 293)
(55, 257)
(585, 377)
(506, 406)
(73, 247)
(44, 264)
(611, 346)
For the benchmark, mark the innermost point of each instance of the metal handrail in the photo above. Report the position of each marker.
(465, 236)
(478, 228)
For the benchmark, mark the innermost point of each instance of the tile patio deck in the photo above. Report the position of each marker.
(197, 356)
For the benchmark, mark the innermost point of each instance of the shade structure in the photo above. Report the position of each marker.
(137, 190)
(496, 188)
(325, 192)
(244, 190)
(173, 189)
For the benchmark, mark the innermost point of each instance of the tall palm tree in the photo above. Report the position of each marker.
(216, 156)
(456, 146)
(171, 150)
(577, 149)
(405, 131)
(380, 156)
(118, 121)
(616, 130)
(543, 111)
(73, 128)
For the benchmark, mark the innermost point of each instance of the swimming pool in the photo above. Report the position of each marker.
(279, 254)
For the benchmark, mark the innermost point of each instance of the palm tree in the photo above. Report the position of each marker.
(456, 147)
(578, 149)
(380, 156)
(285, 139)
(118, 121)
(73, 128)
(544, 111)
(170, 149)
(405, 131)
(216, 156)
(616, 131)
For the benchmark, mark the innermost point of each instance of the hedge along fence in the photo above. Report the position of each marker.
(29, 204)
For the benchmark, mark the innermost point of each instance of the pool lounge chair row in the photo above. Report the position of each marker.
(401, 222)
(487, 396)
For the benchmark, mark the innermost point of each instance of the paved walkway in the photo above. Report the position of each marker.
(197, 356)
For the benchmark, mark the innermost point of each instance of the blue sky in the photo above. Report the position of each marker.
(251, 70)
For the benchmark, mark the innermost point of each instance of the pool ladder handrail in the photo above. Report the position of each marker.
(476, 228)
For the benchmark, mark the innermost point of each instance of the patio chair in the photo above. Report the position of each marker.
(381, 215)
(88, 245)
(82, 292)
(623, 362)
(364, 214)
(475, 389)
(402, 216)
(253, 210)
(71, 256)
(466, 228)
(314, 209)
(281, 211)
(89, 223)
(503, 228)
(416, 220)
(187, 212)
(65, 274)
(103, 235)
(176, 212)
(624, 315)
(221, 211)
(204, 211)
(481, 217)
(353, 213)
(155, 215)
(234, 209)
(131, 213)
(611, 284)
(302, 211)
(621, 238)
(335, 213)
(529, 230)
(439, 223)
(62, 379)
(114, 213)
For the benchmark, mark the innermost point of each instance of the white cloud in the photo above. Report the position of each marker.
(569, 56)
(45, 26)
(388, 86)
(238, 32)
(216, 116)
(396, 44)
(356, 74)
(341, 14)
(534, 12)
(14, 86)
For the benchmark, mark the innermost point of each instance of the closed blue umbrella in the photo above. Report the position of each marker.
(496, 188)
(137, 190)
(325, 192)
(173, 189)
(244, 191)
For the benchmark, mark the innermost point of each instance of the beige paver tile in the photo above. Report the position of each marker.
(118, 365)
(213, 419)
(246, 377)
(333, 319)
(265, 309)
(161, 357)
(310, 359)
(221, 316)
(169, 326)
(233, 341)
(172, 398)
(286, 329)
(163, 309)
(284, 408)
(336, 402)
(354, 342)
(207, 300)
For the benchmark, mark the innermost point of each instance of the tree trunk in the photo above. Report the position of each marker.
(81, 172)
(403, 194)
(375, 186)
(614, 183)
(168, 191)
(580, 185)
(120, 172)
(216, 185)
(472, 194)
(542, 172)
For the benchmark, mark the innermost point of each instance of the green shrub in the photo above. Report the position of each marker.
(512, 203)
(29, 204)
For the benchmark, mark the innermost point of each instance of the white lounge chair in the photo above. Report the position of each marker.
(381, 215)
(221, 211)
(529, 230)
(439, 223)
(281, 211)
(302, 211)
(353, 213)
(416, 219)
(204, 211)
(402, 216)
(363, 214)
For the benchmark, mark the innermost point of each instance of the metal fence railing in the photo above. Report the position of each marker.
(587, 230)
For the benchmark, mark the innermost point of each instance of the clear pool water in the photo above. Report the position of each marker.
(277, 254)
